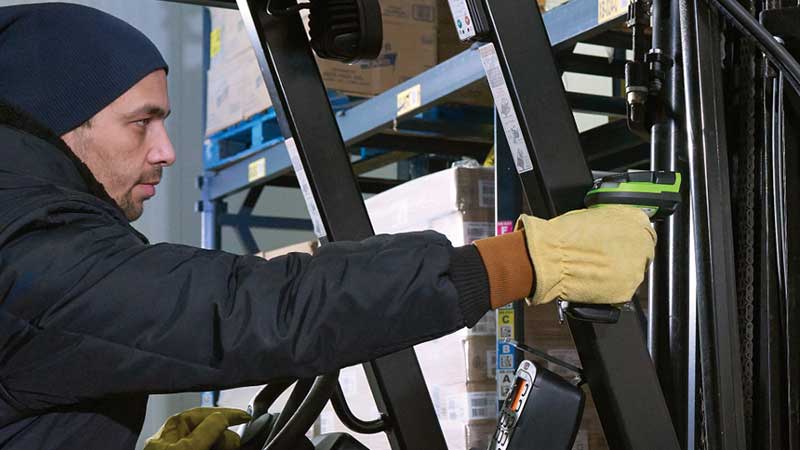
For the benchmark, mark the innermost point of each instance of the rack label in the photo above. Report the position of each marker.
(610, 9)
(215, 42)
(256, 169)
(502, 101)
(305, 188)
(409, 100)
(506, 353)
(505, 380)
(504, 226)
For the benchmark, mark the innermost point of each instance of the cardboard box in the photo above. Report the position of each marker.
(457, 202)
(481, 358)
(228, 38)
(409, 47)
(236, 91)
(417, 35)
(478, 434)
(458, 368)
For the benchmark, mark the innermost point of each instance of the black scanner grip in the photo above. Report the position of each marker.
(591, 313)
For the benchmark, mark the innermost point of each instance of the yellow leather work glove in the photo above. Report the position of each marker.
(199, 429)
(596, 255)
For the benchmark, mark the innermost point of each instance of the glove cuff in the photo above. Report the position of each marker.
(546, 257)
(508, 266)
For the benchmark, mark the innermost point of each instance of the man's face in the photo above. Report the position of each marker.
(126, 144)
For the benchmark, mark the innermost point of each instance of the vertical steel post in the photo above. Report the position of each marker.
(669, 281)
(769, 427)
(717, 313)
(659, 159)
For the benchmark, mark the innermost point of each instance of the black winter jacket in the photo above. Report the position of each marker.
(93, 318)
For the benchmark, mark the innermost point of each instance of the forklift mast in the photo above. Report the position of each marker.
(674, 95)
(554, 176)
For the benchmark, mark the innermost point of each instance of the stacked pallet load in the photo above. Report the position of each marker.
(460, 368)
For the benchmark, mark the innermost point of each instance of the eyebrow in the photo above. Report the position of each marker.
(150, 110)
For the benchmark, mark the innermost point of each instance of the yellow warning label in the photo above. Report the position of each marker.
(215, 42)
(610, 9)
(256, 169)
(409, 100)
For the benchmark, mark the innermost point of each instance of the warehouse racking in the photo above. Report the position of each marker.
(250, 156)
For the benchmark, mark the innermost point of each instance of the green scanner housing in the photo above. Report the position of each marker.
(657, 193)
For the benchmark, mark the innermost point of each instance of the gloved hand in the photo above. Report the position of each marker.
(596, 255)
(199, 429)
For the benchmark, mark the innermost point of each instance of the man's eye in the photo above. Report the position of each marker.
(143, 122)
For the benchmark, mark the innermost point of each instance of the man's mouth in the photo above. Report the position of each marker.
(149, 189)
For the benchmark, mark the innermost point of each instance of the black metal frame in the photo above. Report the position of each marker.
(614, 357)
(306, 119)
(779, 371)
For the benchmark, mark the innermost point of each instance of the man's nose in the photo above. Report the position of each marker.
(161, 151)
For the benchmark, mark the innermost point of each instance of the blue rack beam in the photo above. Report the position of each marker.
(574, 21)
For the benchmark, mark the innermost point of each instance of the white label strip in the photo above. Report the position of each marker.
(502, 101)
(462, 19)
(305, 188)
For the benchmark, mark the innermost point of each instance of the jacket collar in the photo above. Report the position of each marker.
(28, 148)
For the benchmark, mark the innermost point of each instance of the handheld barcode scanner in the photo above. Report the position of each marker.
(656, 193)
(541, 407)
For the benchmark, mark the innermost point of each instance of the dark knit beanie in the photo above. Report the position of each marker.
(62, 63)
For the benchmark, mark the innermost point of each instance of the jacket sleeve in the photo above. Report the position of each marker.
(91, 312)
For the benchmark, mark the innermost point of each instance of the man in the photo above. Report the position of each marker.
(93, 319)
